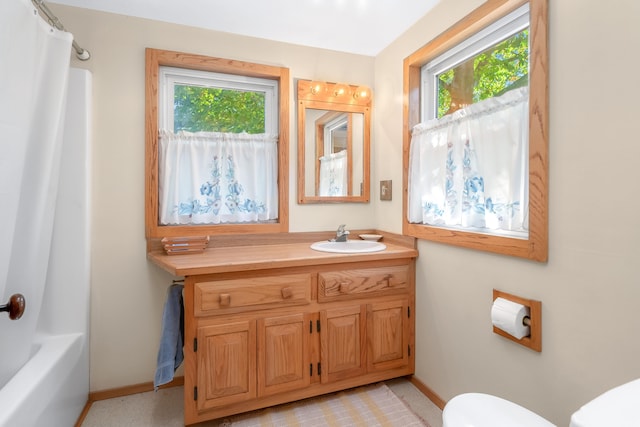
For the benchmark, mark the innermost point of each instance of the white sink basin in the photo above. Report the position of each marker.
(348, 247)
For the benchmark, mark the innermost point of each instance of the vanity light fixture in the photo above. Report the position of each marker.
(341, 93)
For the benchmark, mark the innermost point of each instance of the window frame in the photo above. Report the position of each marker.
(155, 58)
(535, 247)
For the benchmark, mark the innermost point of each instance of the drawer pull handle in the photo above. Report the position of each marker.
(225, 299)
(385, 282)
(286, 292)
(344, 287)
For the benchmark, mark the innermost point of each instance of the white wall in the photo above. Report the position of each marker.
(590, 288)
(128, 292)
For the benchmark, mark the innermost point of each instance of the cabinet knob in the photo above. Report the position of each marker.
(225, 299)
(286, 292)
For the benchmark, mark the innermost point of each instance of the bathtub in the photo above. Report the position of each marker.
(36, 396)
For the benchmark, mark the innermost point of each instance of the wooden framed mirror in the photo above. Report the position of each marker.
(334, 122)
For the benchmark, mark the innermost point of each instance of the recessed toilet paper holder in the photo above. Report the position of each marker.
(534, 321)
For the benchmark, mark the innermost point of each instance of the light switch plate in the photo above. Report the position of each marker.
(385, 190)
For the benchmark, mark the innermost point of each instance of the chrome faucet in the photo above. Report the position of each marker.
(341, 234)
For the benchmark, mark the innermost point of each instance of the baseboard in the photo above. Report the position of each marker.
(131, 389)
(122, 391)
(83, 414)
(431, 395)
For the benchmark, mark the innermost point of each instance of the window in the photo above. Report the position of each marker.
(335, 134)
(195, 101)
(216, 159)
(477, 111)
(488, 64)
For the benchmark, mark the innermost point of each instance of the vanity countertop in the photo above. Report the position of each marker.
(267, 256)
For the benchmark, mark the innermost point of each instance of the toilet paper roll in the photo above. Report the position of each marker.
(509, 316)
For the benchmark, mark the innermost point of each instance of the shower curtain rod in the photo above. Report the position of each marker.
(81, 54)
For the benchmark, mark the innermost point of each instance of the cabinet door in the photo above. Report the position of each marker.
(388, 332)
(283, 353)
(342, 343)
(226, 358)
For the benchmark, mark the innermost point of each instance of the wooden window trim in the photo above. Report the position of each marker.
(156, 58)
(535, 247)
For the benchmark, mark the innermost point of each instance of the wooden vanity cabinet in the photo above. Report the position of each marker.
(267, 324)
(259, 338)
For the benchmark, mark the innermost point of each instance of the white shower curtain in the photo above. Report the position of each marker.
(34, 64)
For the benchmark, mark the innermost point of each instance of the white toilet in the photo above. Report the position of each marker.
(618, 407)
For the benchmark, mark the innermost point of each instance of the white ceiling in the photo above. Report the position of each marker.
(355, 26)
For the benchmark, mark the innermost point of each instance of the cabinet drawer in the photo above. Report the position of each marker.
(361, 283)
(234, 295)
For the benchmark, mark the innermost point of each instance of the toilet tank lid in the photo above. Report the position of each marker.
(617, 407)
(484, 410)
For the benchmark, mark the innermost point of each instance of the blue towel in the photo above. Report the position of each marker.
(170, 353)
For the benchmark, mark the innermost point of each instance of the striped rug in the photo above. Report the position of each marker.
(369, 406)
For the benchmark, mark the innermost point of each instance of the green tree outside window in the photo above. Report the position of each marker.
(503, 67)
(204, 109)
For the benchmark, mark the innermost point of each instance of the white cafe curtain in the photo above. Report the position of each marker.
(468, 170)
(215, 178)
(333, 174)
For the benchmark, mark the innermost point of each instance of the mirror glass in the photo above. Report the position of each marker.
(333, 145)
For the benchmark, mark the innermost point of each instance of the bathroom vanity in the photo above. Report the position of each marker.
(270, 321)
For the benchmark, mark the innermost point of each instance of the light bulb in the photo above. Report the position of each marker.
(316, 87)
(362, 92)
(340, 90)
